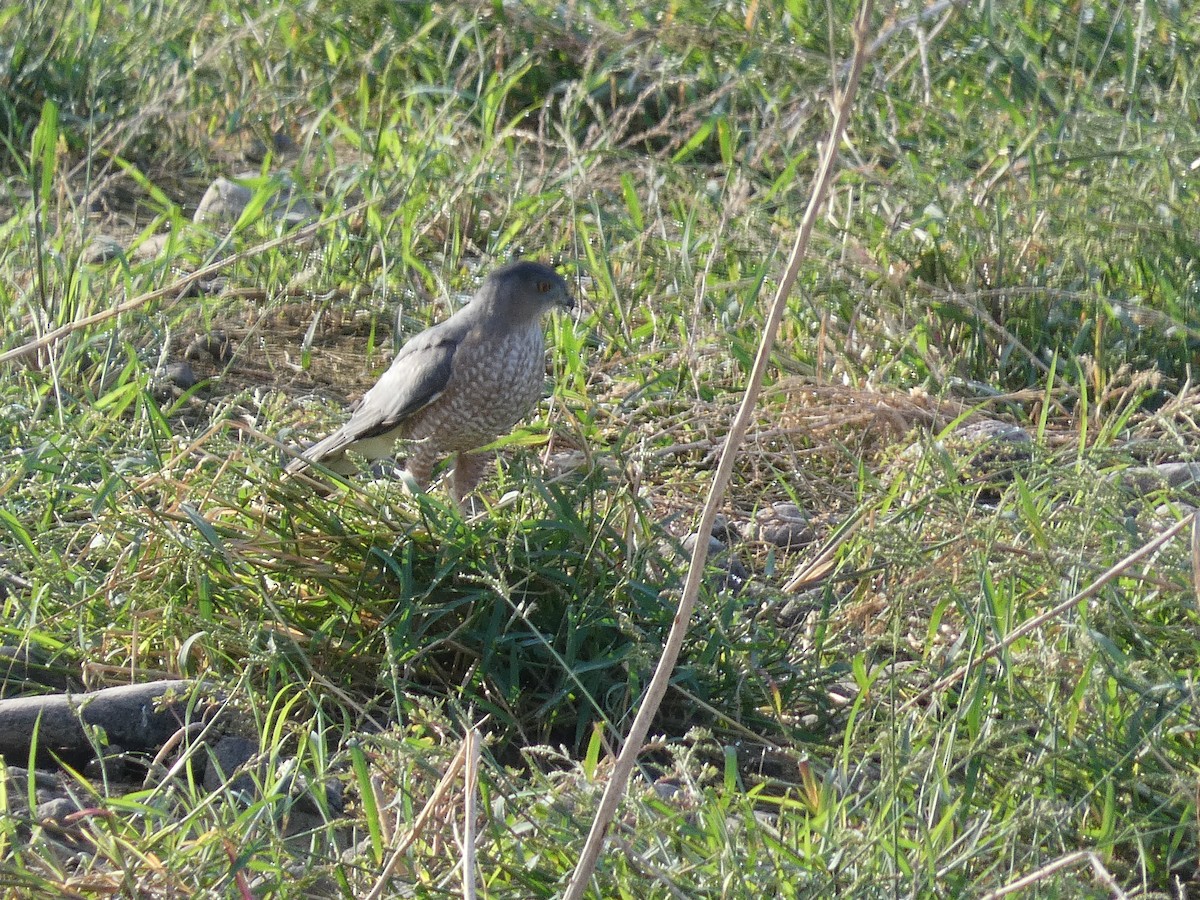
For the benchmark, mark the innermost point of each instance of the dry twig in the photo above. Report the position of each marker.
(431, 805)
(1057, 865)
(619, 779)
(1037, 621)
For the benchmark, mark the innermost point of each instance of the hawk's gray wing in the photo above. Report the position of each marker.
(417, 376)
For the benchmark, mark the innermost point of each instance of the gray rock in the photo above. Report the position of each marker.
(226, 759)
(725, 529)
(229, 768)
(356, 852)
(101, 249)
(1172, 511)
(667, 790)
(137, 716)
(986, 431)
(969, 440)
(200, 287)
(56, 810)
(109, 764)
(281, 145)
(800, 607)
(29, 669)
(715, 546)
(226, 199)
(1177, 476)
(984, 453)
(46, 785)
(172, 380)
(214, 344)
(783, 524)
(151, 247)
(180, 374)
(306, 802)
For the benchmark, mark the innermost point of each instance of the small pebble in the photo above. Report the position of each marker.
(214, 344)
(229, 755)
(226, 199)
(101, 249)
(783, 524)
(56, 810)
(180, 374)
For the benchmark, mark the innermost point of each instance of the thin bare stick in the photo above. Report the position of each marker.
(614, 791)
(816, 570)
(929, 12)
(1196, 562)
(1058, 865)
(471, 784)
(431, 805)
(1037, 621)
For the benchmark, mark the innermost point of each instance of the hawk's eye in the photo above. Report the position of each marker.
(543, 287)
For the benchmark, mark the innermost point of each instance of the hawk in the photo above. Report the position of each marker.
(456, 386)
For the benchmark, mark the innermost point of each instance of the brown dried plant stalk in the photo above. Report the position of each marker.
(615, 790)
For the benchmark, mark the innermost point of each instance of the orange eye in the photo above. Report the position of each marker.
(543, 287)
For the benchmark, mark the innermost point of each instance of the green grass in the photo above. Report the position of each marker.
(1014, 234)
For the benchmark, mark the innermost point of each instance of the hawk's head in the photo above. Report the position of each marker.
(522, 291)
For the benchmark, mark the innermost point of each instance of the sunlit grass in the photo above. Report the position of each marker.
(1014, 235)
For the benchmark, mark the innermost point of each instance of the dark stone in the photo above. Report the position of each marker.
(783, 524)
(26, 670)
(46, 785)
(984, 453)
(214, 344)
(138, 717)
(181, 375)
(725, 530)
(734, 573)
(281, 144)
(229, 755)
(56, 810)
(1183, 477)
